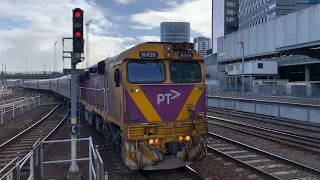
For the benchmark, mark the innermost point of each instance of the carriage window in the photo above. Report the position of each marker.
(144, 71)
(185, 72)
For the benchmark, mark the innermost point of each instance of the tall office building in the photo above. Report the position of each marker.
(224, 20)
(202, 44)
(231, 20)
(175, 32)
(253, 12)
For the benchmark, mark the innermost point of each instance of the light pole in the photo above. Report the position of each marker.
(87, 43)
(242, 69)
(55, 57)
(26, 65)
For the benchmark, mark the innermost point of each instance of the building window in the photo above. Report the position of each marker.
(230, 19)
(230, 4)
(230, 11)
(260, 65)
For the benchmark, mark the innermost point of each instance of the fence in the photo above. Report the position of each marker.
(13, 169)
(5, 92)
(96, 168)
(13, 107)
(301, 91)
(35, 158)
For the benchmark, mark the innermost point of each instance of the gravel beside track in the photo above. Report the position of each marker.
(183, 173)
(299, 127)
(23, 142)
(296, 154)
(270, 98)
(302, 141)
(13, 126)
(216, 168)
(22, 122)
(264, 164)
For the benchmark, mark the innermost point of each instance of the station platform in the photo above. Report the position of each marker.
(302, 101)
(299, 109)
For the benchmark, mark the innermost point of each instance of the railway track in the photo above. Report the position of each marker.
(186, 173)
(305, 142)
(269, 119)
(23, 142)
(262, 163)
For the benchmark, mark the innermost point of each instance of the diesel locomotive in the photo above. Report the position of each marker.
(148, 101)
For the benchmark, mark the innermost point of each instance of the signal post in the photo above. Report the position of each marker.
(78, 47)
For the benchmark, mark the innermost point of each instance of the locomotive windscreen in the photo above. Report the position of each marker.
(144, 71)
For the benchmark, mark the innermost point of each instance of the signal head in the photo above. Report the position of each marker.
(78, 34)
(77, 13)
(77, 24)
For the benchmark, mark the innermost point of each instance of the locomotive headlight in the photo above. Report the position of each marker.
(198, 88)
(137, 90)
(187, 138)
(180, 138)
(151, 130)
(201, 114)
(151, 141)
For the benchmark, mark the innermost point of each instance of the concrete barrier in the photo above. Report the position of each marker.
(295, 111)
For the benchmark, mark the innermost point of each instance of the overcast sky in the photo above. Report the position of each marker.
(29, 28)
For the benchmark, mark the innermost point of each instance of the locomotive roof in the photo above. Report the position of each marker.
(133, 52)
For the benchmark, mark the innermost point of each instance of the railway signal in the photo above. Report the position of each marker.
(77, 22)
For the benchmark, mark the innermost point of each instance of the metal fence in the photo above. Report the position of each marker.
(31, 72)
(301, 91)
(14, 107)
(96, 168)
(17, 165)
(32, 164)
(5, 92)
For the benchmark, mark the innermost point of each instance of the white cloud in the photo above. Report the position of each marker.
(197, 12)
(124, 1)
(32, 27)
(120, 18)
(144, 27)
(172, 3)
(149, 38)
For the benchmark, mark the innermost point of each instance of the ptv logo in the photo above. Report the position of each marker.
(169, 96)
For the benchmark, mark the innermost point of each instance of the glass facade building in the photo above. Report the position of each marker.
(202, 44)
(175, 32)
(253, 12)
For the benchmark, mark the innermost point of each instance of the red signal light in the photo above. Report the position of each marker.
(78, 34)
(78, 14)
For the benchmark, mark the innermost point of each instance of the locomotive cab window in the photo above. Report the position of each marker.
(117, 77)
(145, 71)
(185, 72)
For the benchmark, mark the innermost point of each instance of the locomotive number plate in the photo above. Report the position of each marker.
(185, 55)
(148, 54)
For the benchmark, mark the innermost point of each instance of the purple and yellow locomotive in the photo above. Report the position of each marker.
(149, 102)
